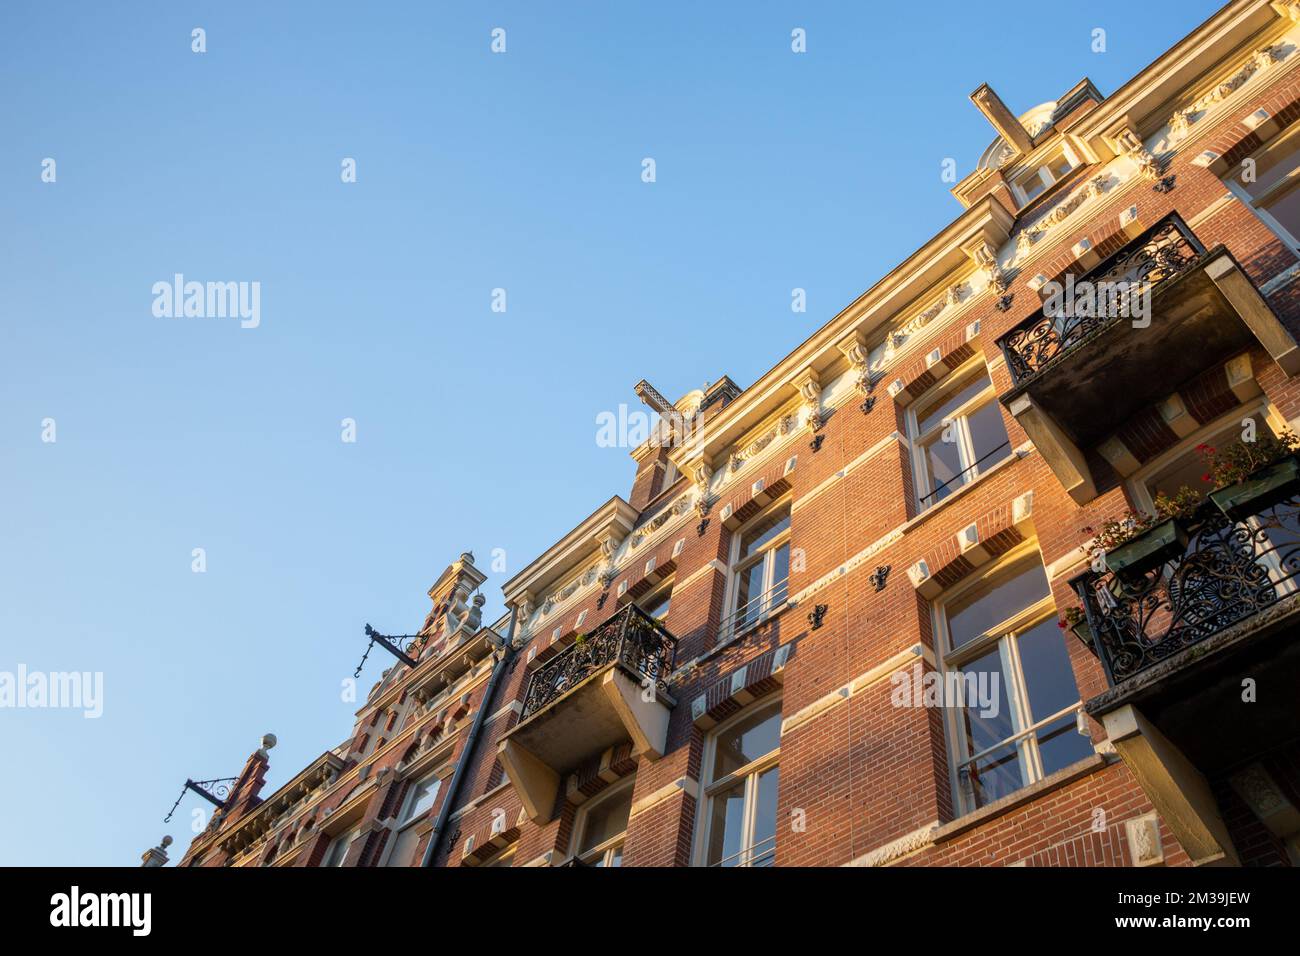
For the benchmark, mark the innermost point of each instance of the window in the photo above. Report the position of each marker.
(1271, 189)
(602, 826)
(418, 802)
(740, 796)
(505, 858)
(760, 568)
(1013, 698)
(338, 848)
(1033, 183)
(658, 603)
(671, 474)
(958, 435)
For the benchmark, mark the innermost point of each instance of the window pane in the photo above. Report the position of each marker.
(420, 800)
(764, 845)
(338, 849)
(943, 462)
(780, 573)
(725, 826)
(1189, 468)
(606, 820)
(988, 436)
(749, 588)
(763, 532)
(935, 414)
(994, 776)
(1274, 165)
(657, 607)
(1060, 744)
(1032, 185)
(973, 616)
(986, 713)
(1046, 666)
(1285, 208)
(746, 741)
(403, 852)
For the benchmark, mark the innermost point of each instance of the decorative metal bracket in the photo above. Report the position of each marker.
(389, 644)
(880, 576)
(818, 613)
(816, 443)
(214, 791)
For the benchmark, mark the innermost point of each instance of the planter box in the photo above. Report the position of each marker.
(1261, 490)
(1148, 550)
(1084, 633)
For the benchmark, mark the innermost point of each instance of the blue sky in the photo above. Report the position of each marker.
(475, 429)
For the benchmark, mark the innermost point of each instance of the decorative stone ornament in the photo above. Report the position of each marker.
(808, 384)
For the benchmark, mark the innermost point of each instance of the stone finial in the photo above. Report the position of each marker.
(268, 741)
(156, 856)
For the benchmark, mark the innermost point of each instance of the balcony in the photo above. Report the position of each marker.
(1202, 658)
(606, 688)
(1166, 311)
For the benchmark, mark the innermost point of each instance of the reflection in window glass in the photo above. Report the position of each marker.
(976, 615)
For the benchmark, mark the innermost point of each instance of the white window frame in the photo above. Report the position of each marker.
(750, 773)
(348, 837)
(1290, 181)
(959, 418)
(1004, 636)
(405, 818)
(605, 850)
(735, 567)
(655, 595)
(1041, 171)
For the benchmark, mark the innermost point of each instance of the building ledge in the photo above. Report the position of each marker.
(1014, 801)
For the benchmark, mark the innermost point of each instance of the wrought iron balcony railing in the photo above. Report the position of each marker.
(1229, 571)
(630, 639)
(755, 611)
(1164, 251)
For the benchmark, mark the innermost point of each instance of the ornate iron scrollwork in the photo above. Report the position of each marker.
(630, 639)
(1162, 252)
(216, 792)
(390, 644)
(1229, 572)
(816, 616)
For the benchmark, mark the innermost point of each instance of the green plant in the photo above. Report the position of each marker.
(1115, 532)
(1238, 461)
(1183, 504)
(580, 639)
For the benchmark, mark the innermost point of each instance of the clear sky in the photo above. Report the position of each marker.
(475, 429)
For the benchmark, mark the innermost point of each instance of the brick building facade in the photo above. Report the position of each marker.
(822, 629)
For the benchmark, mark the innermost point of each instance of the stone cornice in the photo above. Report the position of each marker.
(1148, 95)
(611, 521)
(909, 284)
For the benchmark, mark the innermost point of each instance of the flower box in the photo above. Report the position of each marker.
(1083, 631)
(1262, 489)
(1150, 549)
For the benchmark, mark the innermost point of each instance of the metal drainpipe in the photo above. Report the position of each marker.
(435, 836)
